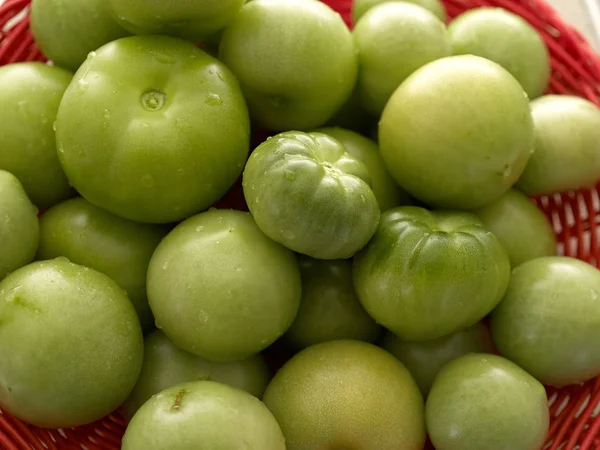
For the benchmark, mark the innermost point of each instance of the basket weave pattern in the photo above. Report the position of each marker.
(575, 411)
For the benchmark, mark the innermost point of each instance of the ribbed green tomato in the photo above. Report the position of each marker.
(520, 226)
(219, 288)
(486, 402)
(166, 365)
(425, 359)
(95, 238)
(20, 230)
(67, 30)
(30, 94)
(427, 274)
(153, 129)
(386, 190)
(329, 309)
(307, 193)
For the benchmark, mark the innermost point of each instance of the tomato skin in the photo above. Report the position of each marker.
(549, 320)
(507, 39)
(30, 94)
(307, 193)
(71, 346)
(67, 30)
(95, 238)
(153, 129)
(194, 20)
(303, 64)
(329, 309)
(393, 40)
(427, 274)
(425, 359)
(166, 365)
(20, 231)
(360, 7)
(385, 188)
(486, 402)
(453, 143)
(567, 146)
(520, 226)
(220, 289)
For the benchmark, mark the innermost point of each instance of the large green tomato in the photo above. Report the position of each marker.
(203, 414)
(360, 7)
(393, 40)
(425, 359)
(165, 365)
(567, 146)
(308, 193)
(30, 94)
(295, 60)
(347, 395)
(67, 30)
(486, 402)
(427, 274)
(329, 309)
(549, 320)
(97, 239)
(71, 346)
(386, 190)
(453, 142)
(220, 289)
(153, 129)
(520, 226)
(507, 39)
(20, 231)
(194, 20)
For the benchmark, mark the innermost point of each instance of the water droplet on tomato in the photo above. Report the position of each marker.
(594, 294)
(164, 58)
(507, 171)
(91, 55)
(288, 234)
(289, 175)
(83, 85)
(54, 126)
(221, 76)
(165, 266)
(106, 114)
(199, 229)
(214, 100)
(363, 199)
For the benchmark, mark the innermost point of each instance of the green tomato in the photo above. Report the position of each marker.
(220, 289)
(393, 40)
(427, 274)
(30, 94)
(329, 309)
(549, 320)
(153, 129)
(347, 395)
(455, 143)
(307, 193)
(387, 192)
(507, 39)
(67, 30)
(425, 359)
(520, 226)
(20, 231)
(203, 414)
(165, 365)
(295, 60)
(567, 146)
(92, 237)
(360, 7)
(485, 402)
(194, 20)
(71, 346)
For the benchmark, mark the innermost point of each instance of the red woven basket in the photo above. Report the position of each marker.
(575, 216)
